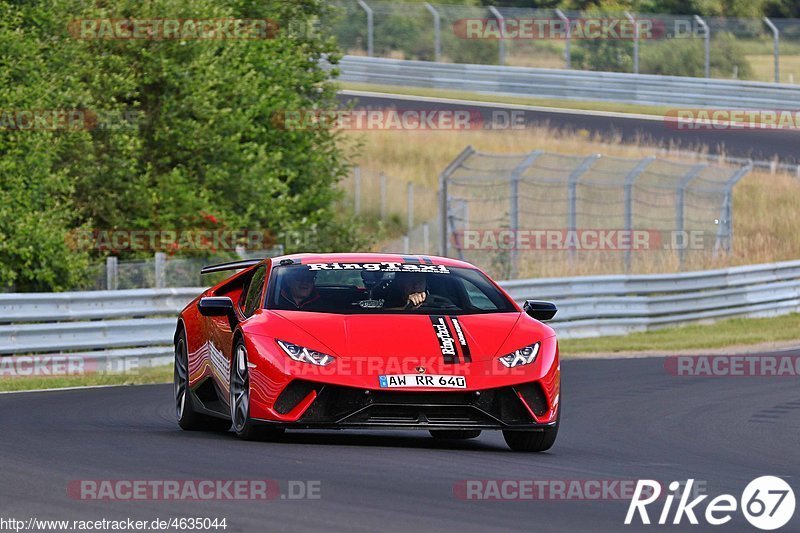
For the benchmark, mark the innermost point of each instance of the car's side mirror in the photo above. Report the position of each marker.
(540, 310)
(215, 306)
(218, 306)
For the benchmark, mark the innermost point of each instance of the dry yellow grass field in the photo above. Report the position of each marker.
(763, 66)
(766, 206)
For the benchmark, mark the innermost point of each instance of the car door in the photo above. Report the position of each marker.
(220, 332)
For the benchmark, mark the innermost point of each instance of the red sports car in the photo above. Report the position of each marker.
(376, 341)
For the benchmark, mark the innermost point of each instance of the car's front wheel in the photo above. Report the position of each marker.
(240, 399)
(188, 417)
(537, 440)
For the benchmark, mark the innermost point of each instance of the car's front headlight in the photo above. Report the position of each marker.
(304, 355)
(523, 356)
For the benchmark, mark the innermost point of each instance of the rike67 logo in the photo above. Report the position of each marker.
(767, 503)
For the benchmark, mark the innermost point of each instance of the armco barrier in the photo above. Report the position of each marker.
(96, 325)
(644, 89)
(613, 305)
(140, 323)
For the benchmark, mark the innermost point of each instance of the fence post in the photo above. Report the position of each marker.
(776, 41)
(357, 189)
(112, 273)
(161, 270)
(501, 42)
(443, 225)
(406, 245)
(383, 196)
(444, 230)
(567, 53)
(629, 179)
(370, 27)
(452, 221)
(514, 210)
(437, 32)
(635, 42)
(572, 196)
(426, 238)
(725, 228)
(680, 203)
(410, 206)
(707, 43)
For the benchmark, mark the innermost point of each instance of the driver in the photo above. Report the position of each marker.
(299, 289)
(412, 289)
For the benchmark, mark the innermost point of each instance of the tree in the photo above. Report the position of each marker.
(202, 133)
(36, 204)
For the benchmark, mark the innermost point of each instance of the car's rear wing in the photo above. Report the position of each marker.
(233, 265)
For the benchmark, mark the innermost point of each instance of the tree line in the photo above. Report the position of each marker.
(106, 130)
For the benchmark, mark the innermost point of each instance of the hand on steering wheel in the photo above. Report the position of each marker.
(415, 299)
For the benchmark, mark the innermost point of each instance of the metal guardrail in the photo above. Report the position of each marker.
(440, 31)
(96, 326)
(61, 336)
(108, 325)
(653, 284)
(572, 84)
(66, 306)
(615, 305)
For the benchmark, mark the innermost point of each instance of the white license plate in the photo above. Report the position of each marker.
(390, 381)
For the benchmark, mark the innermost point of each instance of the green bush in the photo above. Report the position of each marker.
(685, 57)
(603, 55)
(203, 137)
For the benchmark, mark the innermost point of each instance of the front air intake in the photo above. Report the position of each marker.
(534, 396)
(294, 393)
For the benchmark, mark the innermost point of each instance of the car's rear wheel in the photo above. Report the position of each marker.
(537, 440)
(188, 418)
(455, 433)
(240, 399)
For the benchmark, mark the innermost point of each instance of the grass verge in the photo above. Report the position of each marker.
(143, 376)
(556, 103)
(734, 332)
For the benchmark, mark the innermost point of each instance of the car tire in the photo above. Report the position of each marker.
(239, 400)
(461, 434)
(188, 418)
(537, 440)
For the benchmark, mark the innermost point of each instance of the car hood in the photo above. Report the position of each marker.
(385, 336)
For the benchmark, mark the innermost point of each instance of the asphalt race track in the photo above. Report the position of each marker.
(624, 419)
(759, 145)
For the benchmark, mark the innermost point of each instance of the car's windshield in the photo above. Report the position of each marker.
(384, 288)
